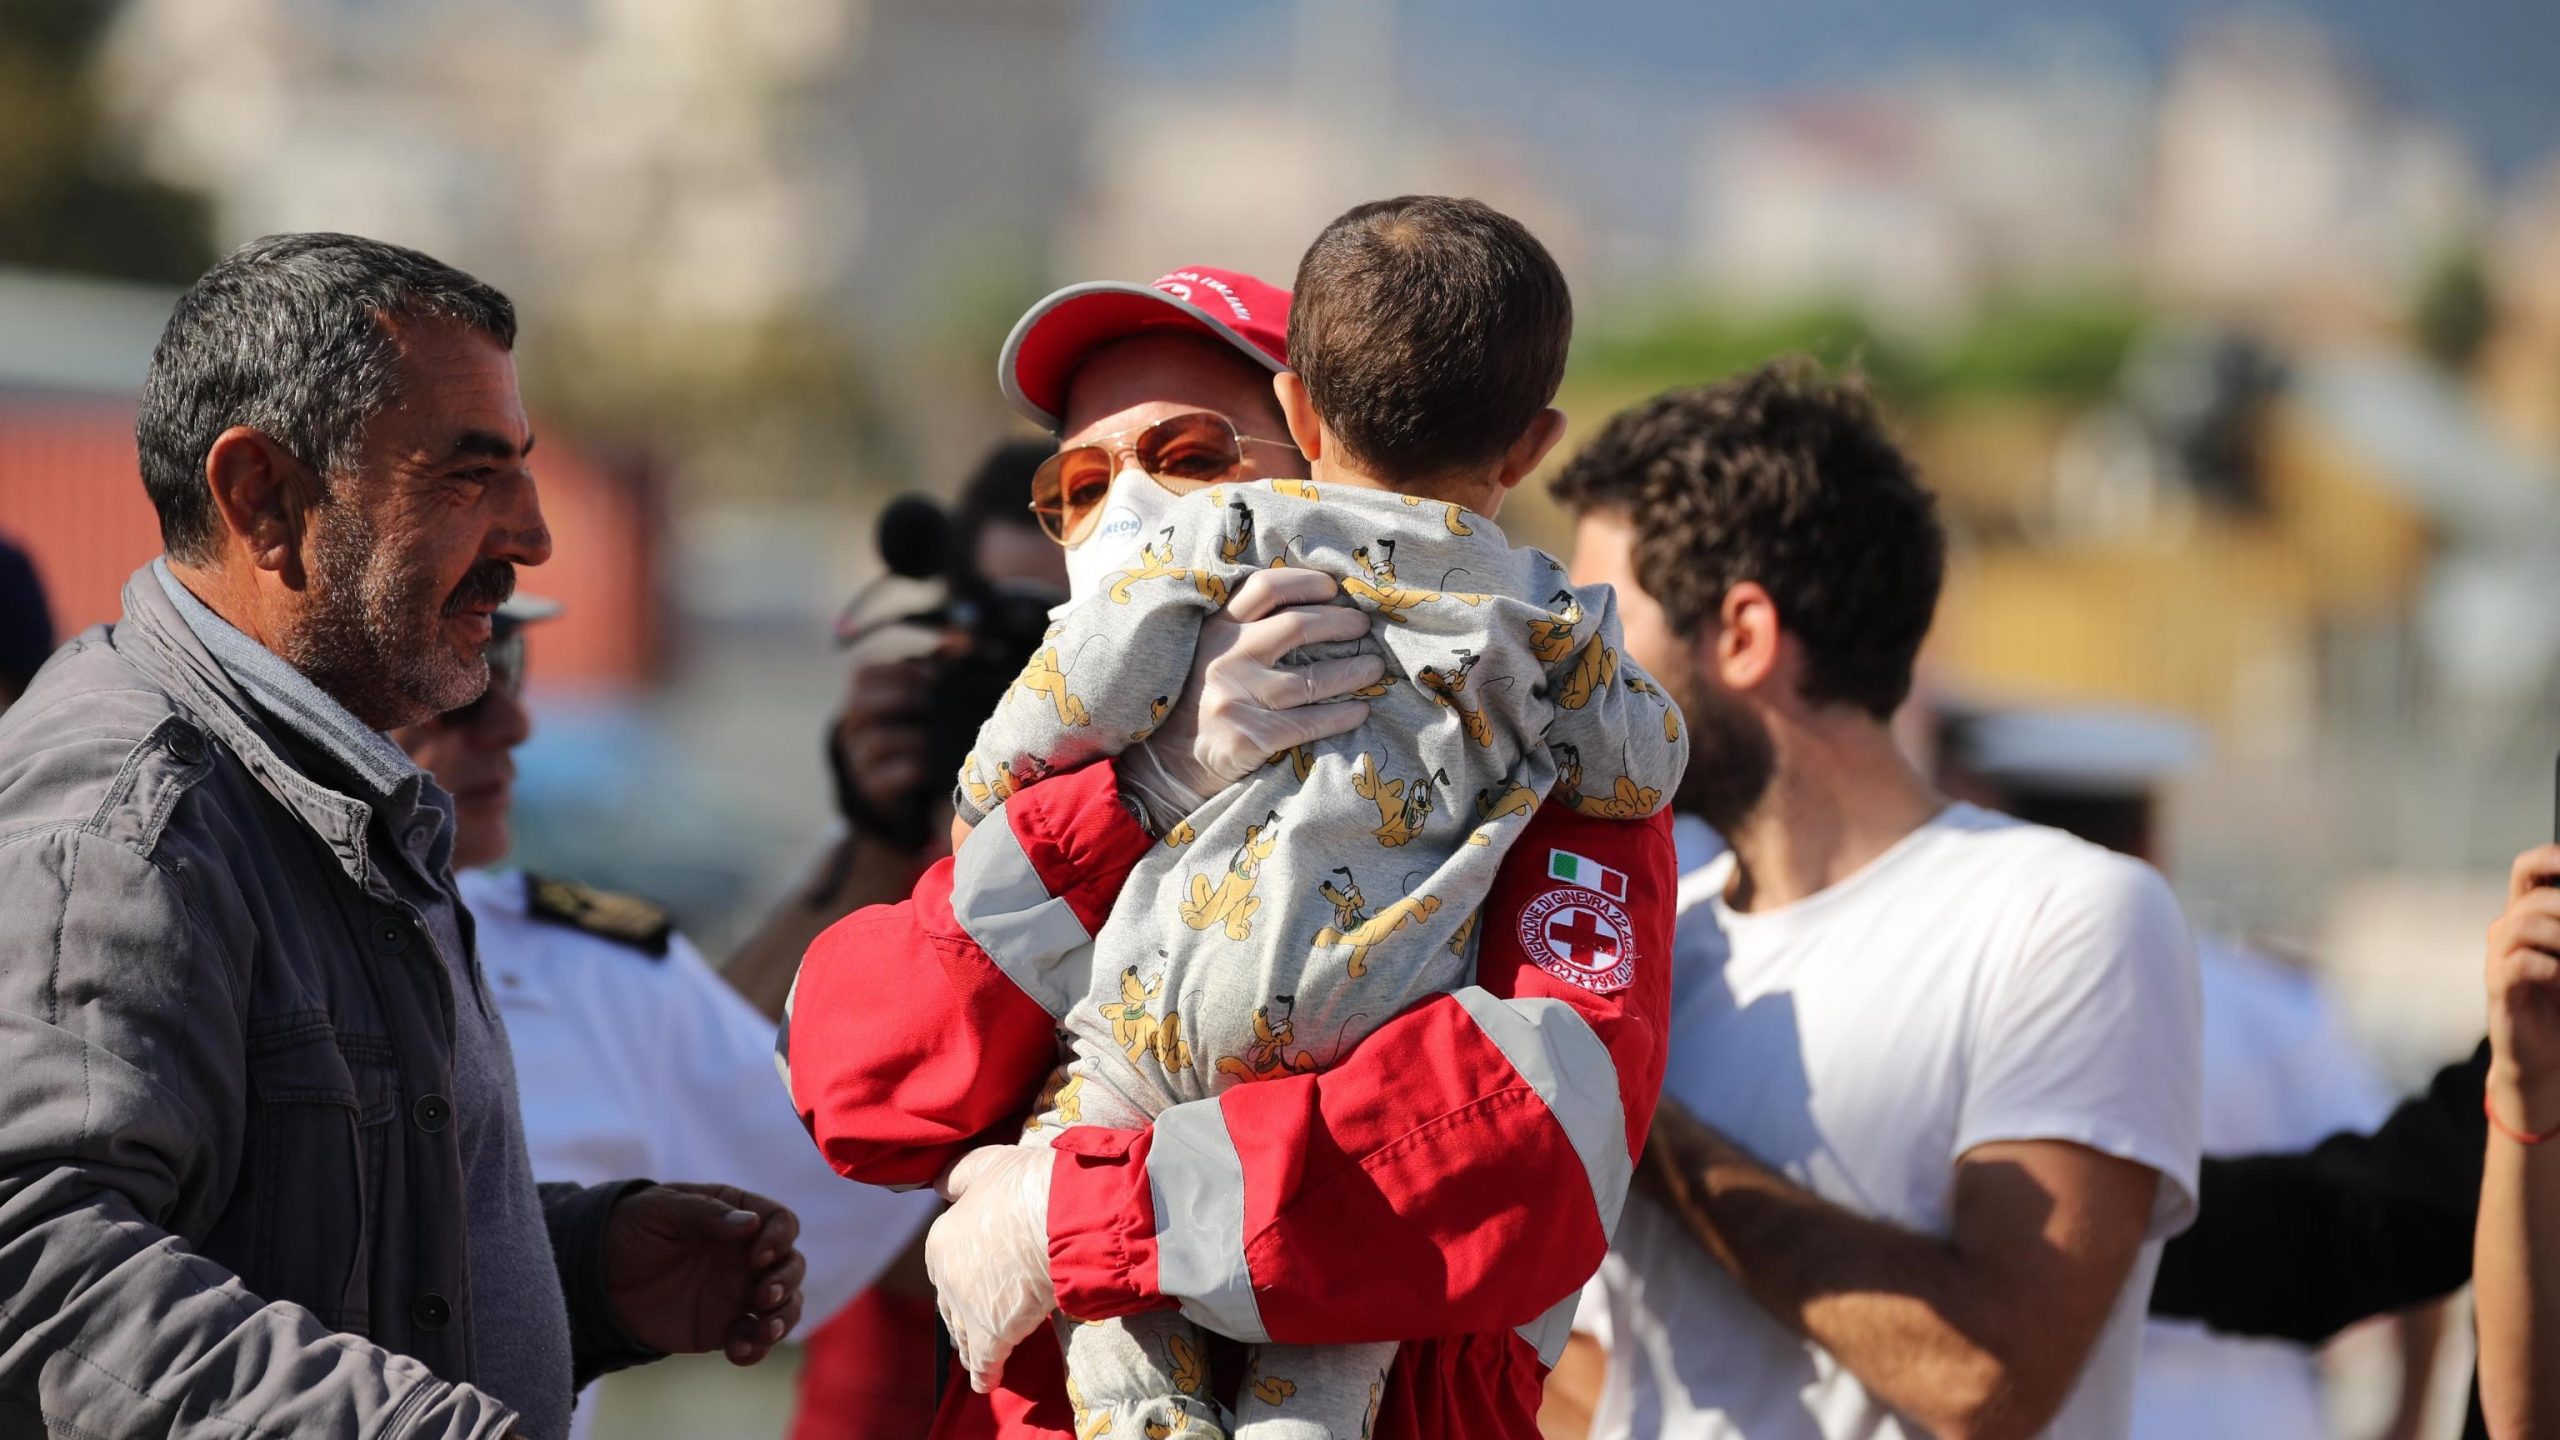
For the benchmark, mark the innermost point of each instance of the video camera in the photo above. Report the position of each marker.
(980, 633)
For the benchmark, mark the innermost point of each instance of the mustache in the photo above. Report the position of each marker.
(487, 584)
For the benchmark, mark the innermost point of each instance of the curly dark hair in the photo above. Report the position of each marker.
(1430, 332)
(1784, 476)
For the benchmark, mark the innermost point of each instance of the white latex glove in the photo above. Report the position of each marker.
(1241, 706)
(989, 1255)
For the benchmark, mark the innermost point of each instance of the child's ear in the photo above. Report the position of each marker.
(1305, 430)
(1527, 452)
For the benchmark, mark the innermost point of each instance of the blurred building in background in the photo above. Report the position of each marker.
(773, 240)
(642, 166)
(2284, 179)
(1922, 200)
(1240, 162)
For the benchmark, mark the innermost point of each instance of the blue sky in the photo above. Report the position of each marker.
(2491, 68)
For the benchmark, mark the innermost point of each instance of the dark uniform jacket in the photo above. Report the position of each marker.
(2302, 1246)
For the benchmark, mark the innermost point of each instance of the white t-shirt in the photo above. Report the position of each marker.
(2281, 1073)
(1983, 980)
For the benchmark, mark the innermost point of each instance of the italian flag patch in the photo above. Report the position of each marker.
(1586, 872)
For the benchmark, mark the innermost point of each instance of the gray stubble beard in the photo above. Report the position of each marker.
(372, 636)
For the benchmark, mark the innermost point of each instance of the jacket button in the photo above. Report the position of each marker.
(390, 936)
(431, 1112)
(431, 1312)
(186, 744)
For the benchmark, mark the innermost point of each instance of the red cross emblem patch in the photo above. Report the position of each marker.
(1580, 936)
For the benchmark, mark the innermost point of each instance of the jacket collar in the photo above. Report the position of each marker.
(170, 649)
(286, 694)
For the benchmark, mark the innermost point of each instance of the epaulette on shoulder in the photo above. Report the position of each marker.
(623, 919)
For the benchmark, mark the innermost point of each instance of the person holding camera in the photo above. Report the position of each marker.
(921, 678)
(1002, 575)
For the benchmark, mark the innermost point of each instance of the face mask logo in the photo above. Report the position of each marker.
(1134, 509)
(1119, 526)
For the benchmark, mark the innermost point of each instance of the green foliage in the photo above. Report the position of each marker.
(1694, 346)
(2454, 311)
(2071, 348)
(66, 200)
(2068, 347)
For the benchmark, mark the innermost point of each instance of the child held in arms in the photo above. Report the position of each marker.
(1303, 907)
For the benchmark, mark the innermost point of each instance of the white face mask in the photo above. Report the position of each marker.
(1131, 514)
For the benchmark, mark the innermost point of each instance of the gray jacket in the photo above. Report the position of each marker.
(227, 1161)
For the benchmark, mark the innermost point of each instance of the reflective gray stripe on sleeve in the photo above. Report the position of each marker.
(1552, 1047)
(1032, 936)
(1198, 1181)
(1548, 1333)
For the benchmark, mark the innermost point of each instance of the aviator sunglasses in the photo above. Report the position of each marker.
(1182, 453)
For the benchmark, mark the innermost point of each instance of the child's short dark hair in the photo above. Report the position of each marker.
(1430, 332)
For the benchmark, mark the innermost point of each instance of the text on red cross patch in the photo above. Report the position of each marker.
(1580, 936)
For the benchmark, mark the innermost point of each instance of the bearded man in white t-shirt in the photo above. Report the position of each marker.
(1933, 1097)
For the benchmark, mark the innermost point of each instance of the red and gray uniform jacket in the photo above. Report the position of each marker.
(1449, 1184)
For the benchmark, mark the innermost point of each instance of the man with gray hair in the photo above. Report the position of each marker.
(261, 1166)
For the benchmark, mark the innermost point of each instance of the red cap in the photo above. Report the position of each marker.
(1048, 343)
